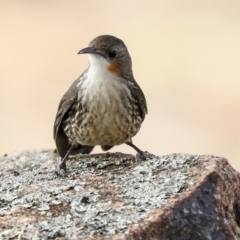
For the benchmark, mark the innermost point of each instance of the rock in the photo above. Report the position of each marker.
(115, 196)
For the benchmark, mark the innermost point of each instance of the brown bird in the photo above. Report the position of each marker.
(105, 106)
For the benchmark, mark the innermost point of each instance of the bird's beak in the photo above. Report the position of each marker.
(91, 50)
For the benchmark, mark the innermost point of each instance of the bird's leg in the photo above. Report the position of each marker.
(134, 147)
(140, 154)
(62, 165)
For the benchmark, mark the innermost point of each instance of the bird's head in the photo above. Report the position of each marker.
(109, 52)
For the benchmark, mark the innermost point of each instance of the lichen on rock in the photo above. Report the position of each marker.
(116, 196)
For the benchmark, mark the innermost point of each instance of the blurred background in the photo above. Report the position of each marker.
(186, 58)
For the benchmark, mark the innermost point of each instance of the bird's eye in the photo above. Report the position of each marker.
(112, 54)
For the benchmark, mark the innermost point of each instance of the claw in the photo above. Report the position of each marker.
(61, 168)
(145, 155)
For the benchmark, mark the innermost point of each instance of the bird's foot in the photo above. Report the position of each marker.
(61, 169)
(144, 155)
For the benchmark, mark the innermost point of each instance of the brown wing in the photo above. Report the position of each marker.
(65, 105)
(138, 95)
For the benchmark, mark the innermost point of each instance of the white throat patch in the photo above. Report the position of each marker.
(101, 84)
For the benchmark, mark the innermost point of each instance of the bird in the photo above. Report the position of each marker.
(105, 106)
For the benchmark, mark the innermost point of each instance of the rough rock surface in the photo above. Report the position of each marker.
(115, 196)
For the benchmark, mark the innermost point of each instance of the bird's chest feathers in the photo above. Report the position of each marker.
(105, 119)
(102, 89)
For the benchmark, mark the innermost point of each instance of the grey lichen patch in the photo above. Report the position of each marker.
(101, 195)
